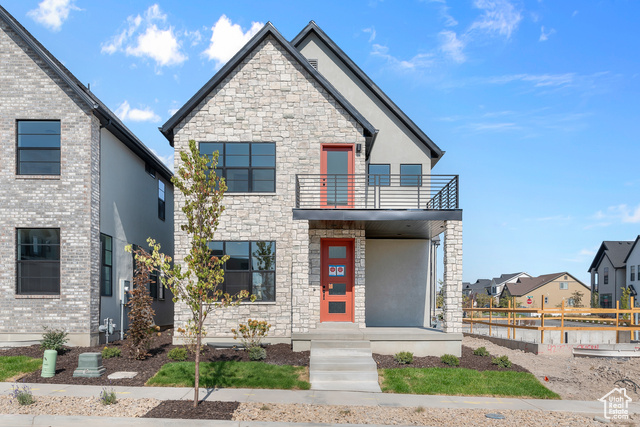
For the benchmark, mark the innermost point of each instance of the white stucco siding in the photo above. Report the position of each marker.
(396, 282)
(129, 214)
(395, 144)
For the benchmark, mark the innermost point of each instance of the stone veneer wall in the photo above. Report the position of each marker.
(269, 97)
(453, 277)
(341, 230)
(70, 201)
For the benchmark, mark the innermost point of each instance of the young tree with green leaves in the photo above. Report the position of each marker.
(198, 285)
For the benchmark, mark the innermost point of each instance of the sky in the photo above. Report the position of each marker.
(535, 102)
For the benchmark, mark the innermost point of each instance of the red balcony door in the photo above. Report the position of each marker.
(337, 277)
(336, 182)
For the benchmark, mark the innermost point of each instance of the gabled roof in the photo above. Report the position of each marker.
(266, 31)
(312, 27)
(505, 277)
(616, 250)
(524, 285)
(631, 249)
(107, 118)
(478, 285)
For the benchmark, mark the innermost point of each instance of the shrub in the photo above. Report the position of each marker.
(481, 351)
(53, 339)
(450, 359)
(108, 396)
(109, 352)
(140, 311)
(22, 394)
(252, 333)
(404, 357)
(502, 361)
(179, 354)
(257, 353)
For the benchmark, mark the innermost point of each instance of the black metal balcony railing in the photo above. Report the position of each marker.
(365, 191)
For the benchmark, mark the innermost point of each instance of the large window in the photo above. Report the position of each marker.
(379, 175)
(246, 166)
(411, 175)
(38, 147)
(161, 200)
(106, 265)
(38, 261)
(251, 267)
(605, 301)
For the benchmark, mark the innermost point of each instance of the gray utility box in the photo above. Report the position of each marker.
(90, 366)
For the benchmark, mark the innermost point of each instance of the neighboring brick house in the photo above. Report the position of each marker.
(609, 271)
(76, 186)
(326, 175)
(550, 289)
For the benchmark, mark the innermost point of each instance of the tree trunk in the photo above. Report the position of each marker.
(196, 391)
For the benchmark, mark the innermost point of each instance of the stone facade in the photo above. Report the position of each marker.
(70, 201)
(270, 97)
(453, 277)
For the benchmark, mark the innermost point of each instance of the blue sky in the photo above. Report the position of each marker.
(535, 102)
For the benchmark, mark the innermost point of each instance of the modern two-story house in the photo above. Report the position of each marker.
(76, 186)
(332, 213)
(609, 272)
(497, 283)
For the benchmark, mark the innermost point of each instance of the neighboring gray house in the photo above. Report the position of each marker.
(497, 283)
(632, 262)
(480, 286)
(332, 211)
(76, 186)
(608, 271)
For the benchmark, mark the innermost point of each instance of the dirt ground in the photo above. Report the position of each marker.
(576, 378)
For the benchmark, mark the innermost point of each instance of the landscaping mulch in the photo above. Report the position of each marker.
(468, 360)
(67, 362)
(184, 409)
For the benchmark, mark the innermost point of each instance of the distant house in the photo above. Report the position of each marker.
(480, 286)
(632, 262)
(553, 288)
(608, 271)
(497, 283)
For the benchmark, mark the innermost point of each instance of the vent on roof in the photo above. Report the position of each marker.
(314, 63)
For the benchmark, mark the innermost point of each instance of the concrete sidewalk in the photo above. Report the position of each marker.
(316, 397)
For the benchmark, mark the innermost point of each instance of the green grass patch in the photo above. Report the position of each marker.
(231, 374)
(10, 366)
(464, 382)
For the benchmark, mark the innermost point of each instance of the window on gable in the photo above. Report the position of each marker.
(564, 285)
(379, 175)
(606, 276)
(248, 167)
(251, 267)
(411, 175)
(106, 267)
(161, 200)
(38, 261)
(38, 147)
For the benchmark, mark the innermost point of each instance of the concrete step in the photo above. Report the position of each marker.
(356, 376)
(338, 325)
(339, 344)
(365, 386)
(343, 364)
(341, 352)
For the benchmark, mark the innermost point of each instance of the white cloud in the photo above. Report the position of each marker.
(421, 60)
(538, 80)
(227, 39)
(500, 16)
(544, 36)
(53, 13)
(452, 46)
(126, 113)
(172, 111)
(615, 215)
(144, 38)
(167, 160)
(372, 33)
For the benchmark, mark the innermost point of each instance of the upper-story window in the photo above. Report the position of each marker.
(248, 167)
(606, 276)
(38, 261)
(632, 277)
(379, 175)
(38, 147)
(106, 246)
(161, 200)
(411, 175)
(564, 285)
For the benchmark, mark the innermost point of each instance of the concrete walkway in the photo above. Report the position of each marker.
(316, 397)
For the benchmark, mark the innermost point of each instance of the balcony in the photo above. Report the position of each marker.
(377, 192)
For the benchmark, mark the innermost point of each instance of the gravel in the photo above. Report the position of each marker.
(82, 406)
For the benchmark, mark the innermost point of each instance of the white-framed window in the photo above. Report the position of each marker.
(564, 285)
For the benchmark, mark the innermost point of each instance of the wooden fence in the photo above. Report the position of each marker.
(523, 318)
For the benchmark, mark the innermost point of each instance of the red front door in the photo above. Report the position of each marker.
(337, 277)
(336, 167)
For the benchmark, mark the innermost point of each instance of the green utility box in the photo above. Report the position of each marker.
(49, 363)
(89, 366)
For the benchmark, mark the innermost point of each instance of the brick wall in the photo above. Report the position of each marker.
(269, 97)
(69, 201)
